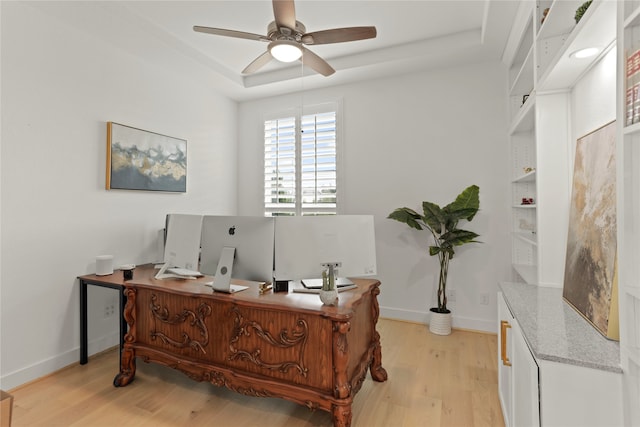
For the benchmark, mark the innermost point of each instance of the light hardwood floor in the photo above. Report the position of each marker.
(433, 381)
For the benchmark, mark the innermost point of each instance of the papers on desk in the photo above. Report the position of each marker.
(297, 286)
(184, 272)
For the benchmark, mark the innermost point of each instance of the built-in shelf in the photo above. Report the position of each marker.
(597, 28)
(525, 206)
(634, 292)
(529, 273)
(628, 216)
(560, 19)
(631, 129)
(527, 177)
(524, 119)
(523, 83)
(633, 19)
(529, 238)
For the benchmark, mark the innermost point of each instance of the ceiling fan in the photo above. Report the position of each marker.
(287, 38)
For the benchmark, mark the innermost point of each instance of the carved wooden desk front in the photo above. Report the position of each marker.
(271, 345)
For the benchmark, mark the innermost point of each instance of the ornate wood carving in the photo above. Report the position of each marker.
(344, 337)
(130, 314)
(378, 373)
(127, 355)
(341, 415)
(342, 387)
(219, 379)
(297, 337)
(127, 368)
(195, 318)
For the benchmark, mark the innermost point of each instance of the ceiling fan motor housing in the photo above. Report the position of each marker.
(284, 33)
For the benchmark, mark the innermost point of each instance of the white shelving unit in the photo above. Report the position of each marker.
(541, 76)
(522, 99)
(629, 216)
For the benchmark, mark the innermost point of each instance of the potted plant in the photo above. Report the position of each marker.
(581, 10)
(442, 223)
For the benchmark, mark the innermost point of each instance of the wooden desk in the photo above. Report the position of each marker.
(112, 281)
(272, 345)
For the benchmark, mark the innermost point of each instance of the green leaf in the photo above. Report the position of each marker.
(407, 216)
(458, 237)
(434, 250)
(434, 217)
(466, 205)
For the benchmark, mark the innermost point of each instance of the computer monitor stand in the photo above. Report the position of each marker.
(222, 281)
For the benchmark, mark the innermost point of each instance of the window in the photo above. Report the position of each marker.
(300, 164)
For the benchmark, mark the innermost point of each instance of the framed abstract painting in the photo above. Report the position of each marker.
(590, 276)
(141, 160)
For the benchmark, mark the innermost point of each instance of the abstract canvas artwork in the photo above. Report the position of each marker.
(143, 160)
(590, 280)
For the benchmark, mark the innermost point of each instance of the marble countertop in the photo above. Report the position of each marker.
(555, 331)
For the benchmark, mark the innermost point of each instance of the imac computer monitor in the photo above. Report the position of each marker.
(304, 243)
(252, 238)
(182, 248)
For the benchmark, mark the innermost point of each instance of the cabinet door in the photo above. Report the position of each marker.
(524, 376)
(505, 320)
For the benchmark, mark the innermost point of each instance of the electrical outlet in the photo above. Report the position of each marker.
(452, 295)
(484, 298)
(109, 310)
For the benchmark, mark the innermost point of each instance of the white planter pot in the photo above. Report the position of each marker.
(440, 323)
(329, 297)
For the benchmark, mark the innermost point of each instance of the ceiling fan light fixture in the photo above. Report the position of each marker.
(285, 50)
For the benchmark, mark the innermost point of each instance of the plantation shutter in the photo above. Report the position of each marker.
(318, 163)
(300, 175)
(280, 166)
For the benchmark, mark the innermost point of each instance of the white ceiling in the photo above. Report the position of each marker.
(412, 35)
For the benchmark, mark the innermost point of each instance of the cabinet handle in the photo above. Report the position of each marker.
(504, 325)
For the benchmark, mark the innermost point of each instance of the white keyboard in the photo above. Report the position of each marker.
(184, 272)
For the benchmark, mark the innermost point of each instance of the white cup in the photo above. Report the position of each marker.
(104, 265)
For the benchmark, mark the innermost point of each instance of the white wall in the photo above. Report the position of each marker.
(422, 136)
(60, 85)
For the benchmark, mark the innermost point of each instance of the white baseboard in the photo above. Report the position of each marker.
(47, 366)
(423, 317)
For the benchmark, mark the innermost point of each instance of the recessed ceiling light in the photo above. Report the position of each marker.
(585, 53)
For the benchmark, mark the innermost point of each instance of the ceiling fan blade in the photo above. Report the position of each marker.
(339, 35)
(315, 62)
(229, 33)
(258, 63)
(285, 13)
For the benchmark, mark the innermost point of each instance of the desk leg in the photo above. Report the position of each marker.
(123, 323)
(83, 323)
(378, 373)
(341, 415)
(127, 369)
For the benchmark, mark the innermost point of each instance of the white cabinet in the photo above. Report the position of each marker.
(505, 356)
(541, 75)
(517, 373)
(526, 411)
(553, 369)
